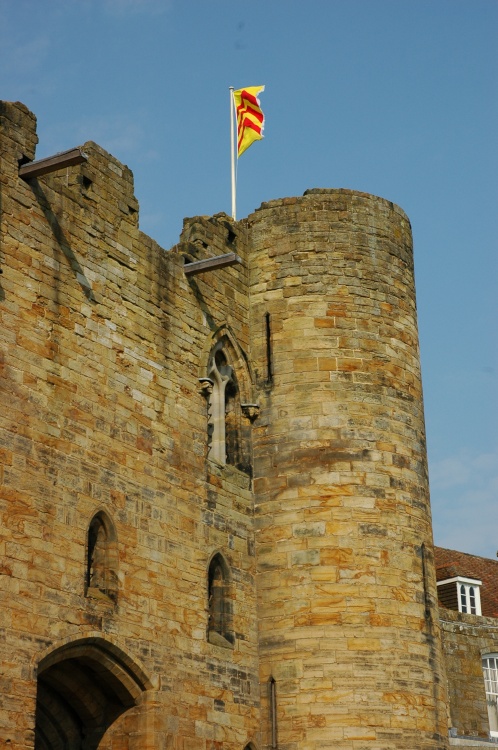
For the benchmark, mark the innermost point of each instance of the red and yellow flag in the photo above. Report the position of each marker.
(250, 118)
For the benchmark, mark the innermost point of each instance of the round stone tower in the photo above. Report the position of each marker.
(349, 646)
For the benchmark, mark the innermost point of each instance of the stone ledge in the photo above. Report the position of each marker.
(477, 742)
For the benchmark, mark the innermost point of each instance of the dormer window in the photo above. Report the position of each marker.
(462, 594)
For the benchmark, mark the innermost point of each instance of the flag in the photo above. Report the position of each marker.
(250, 119)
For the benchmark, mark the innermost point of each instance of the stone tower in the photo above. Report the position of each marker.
(214, 514)
(346, 591)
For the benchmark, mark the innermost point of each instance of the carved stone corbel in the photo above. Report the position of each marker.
(206, 386)
(250, 411)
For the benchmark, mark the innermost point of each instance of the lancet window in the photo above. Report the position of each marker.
(219, 604)
(101, 560)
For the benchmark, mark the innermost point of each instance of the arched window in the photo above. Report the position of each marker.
(226, 382)
(490, 669)
(219, 605)
(224, 410)
(101, 560)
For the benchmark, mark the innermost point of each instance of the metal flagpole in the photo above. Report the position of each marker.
(232, 154)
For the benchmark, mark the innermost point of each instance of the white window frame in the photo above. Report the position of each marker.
(464, 592)
(490, 670)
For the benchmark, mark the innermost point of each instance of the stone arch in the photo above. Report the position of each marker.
(220, 610)
(83, 686)
(227, 383)
(101, 569)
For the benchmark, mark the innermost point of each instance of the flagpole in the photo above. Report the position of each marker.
(232, 155)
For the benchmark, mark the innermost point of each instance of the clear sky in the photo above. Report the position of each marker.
(394, 97)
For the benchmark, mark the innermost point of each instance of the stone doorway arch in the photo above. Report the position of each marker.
(82, 688)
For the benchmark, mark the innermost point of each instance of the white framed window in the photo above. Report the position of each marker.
(467, 591)
(490, 669)
(468, 598)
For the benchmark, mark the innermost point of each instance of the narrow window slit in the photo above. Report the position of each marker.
(427, 600)
(269, 360)
(272, 690)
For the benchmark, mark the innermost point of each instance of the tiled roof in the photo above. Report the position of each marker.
(450, 563)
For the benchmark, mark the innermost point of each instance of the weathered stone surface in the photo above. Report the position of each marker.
(103, 341)
(466, 639)
(104, 350)
(345, 358)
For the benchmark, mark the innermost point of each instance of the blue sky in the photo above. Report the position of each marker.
(394, 97)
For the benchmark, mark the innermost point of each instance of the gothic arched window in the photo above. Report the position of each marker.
(101, 558)
(224, 410)
(226, 383)
(219, 604)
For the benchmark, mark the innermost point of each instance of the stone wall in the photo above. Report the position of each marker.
(466, 639)
(102, 343)
(321, 528)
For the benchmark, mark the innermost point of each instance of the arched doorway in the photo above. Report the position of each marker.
(83, 687)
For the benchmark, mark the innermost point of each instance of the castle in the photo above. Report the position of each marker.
(214, 502)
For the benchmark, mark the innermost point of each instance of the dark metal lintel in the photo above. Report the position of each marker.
(211, 264)
(52, 163)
